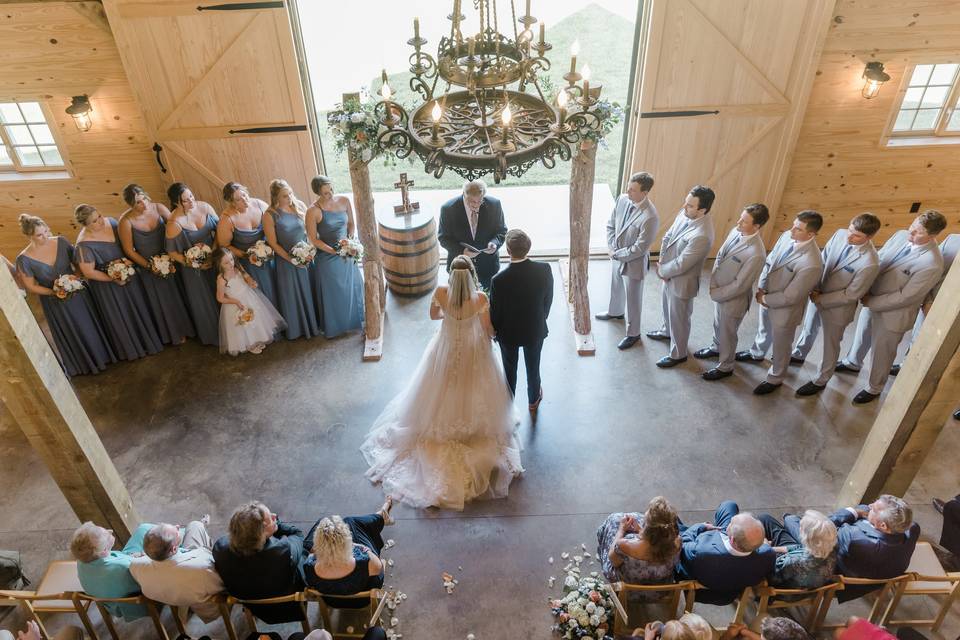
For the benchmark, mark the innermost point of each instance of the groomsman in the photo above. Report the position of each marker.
(791, 272)
(631, 230)
(683, 251)
(850, 265)
(910, 266)
(734, 275)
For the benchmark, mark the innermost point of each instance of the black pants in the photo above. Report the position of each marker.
(721, 517)
(950, 538)
(781, 534)
(510, 354)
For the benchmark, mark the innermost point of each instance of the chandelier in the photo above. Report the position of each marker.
(492, 115)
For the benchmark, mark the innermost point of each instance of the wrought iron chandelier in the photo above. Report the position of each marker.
(493, 123)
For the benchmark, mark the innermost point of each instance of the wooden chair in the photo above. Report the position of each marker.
(928, 579)
(370, 599)
(816, 600)
(83, 600)
(671, 599)
(54, 593)
(886, 587)
(230, 601)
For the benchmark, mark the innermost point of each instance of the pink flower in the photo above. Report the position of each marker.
(594, 596)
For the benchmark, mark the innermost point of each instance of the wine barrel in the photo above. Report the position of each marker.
(411, 254)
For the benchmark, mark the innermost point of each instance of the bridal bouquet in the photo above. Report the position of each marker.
(198, 255)
(67, 285)
(351, 249)
(121, 270)
(586, 611)
(161, 265)
(302, 254)
(259, 253)
(244, 316)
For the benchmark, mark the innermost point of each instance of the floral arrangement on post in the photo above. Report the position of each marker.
(356, 129)
(587, 609)
(610, 115)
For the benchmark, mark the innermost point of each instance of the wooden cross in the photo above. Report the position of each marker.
(404, 186)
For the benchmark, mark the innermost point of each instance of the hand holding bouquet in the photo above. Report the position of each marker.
(259, 253)
(121, 270)
(350, 249)
(67, 285)
(198, 255)
(302, 254)
(244, 315)
(161, 265)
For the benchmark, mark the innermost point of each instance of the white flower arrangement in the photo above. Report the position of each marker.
(245, 316)
(67, 285)
(356, 127)
(198, 255)
(302, 254)
(259, 253)
(350, 249)
(162, 265)
(587, 609)
(121, 270)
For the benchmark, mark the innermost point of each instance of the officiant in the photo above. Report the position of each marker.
(472, 224)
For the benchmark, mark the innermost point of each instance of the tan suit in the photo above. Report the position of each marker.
(630, 232)
(732, 283)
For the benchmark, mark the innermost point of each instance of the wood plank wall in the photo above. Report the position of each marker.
(52, 51)
(839, 166)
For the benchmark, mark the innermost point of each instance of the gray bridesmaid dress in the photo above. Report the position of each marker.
(164, 295)
(123, 309)
(339, 284)
(295, 297)
(74, 323)
(200, 285)
(264, 275)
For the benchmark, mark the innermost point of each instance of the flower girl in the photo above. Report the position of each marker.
(248, 322)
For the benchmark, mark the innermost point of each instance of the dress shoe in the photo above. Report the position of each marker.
(746, 356)
(810, 389)
(765, 387)
(657, 335)
(864, 397)
(716, 374)
(705, 353)
(666, 362)
(895, 369)
(938, 505)
(843, 367)
(628, 342)
(796, 361)
(607, 316)
(956, 414)
(536, 405)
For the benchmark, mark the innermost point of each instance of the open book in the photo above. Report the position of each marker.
(467, 245)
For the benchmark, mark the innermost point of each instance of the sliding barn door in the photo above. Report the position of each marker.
(751, 62)
(220, 89)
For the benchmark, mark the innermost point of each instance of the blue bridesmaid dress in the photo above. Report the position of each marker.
(123, 309)
(295, 297)
(339, 283)
(74, 323)
(200, 285)
(164, 295)
(265, 275)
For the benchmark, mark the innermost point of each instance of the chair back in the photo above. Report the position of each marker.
(928, 578)
(368, 601)
(299, 597)
(879, 589)
(35, 603)
(671, 593)
(771, 598)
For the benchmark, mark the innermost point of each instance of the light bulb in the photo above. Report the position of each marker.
(586, 72)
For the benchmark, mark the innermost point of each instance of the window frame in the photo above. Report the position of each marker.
(6, 172)
(939, 134)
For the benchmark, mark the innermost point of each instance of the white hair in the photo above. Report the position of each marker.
(896, 513)
(475, 188)
(89, 542)
(818, 534)
(700, 628)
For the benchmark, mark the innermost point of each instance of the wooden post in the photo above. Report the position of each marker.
(920, 402)
(40, 399)
(582, 173)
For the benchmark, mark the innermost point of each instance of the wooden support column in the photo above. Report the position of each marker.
(921, 401)
(40, 399)
(582, 173)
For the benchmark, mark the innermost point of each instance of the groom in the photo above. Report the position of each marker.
(472, 224)
(520, 298)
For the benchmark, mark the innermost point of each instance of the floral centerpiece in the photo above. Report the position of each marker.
(587, 609)
(198, 255)
(121, 270)
(302, 254)
(350, 249)
(67, 285)
(162, 265)
(259, 253)
(356, 128)
(610, 115)
(244, 316)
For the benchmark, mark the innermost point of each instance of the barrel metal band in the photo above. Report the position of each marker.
(408, 255)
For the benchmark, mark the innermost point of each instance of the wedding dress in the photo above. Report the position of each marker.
(450, 436)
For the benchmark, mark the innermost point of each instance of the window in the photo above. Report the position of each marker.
(930, 102)
(28, 142)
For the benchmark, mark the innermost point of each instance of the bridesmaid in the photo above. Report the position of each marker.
(339, 283)
(142, 230)
(284, 227)
(77, 331)
(240, 227)
(195, 222)
(123, 306)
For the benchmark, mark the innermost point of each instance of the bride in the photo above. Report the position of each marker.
(449, 437)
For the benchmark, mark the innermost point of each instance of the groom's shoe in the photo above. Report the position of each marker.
(657, 335)
(607, 316)
(705, 353)
(536, 405)
(666, 362)
(628, 342)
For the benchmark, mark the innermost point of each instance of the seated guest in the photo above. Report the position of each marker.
(640, 548)
(178, 568)
(805, 548)
(950, 536)
(770, 629)
(104, 573)
(726, 556)
(261, 559)
(32, 632)
(345, 555)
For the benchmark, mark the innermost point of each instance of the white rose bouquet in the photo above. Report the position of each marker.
(67, 285)
(259, 253)
(350, 249)
(587, 609)
(302, 254)
(161, 265)
(198, 255)
(121, 270)
(245, 316)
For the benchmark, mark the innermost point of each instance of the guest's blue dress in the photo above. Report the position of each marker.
(200, 285)
(123, 309)
(164, 295)
(266, 275)
(295, 297)
(76, 327)
(339, 283)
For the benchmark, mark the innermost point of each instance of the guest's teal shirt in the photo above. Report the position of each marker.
(109, 577)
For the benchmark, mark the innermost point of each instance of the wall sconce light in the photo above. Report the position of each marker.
(80, 108)
(874, 77)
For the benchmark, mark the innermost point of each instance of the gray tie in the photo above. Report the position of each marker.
(844, 254)
(733, 243)
(903, 252)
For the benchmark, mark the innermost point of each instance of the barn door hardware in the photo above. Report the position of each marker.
(157, 149)
(277, 129)
(677, 114)
(241, 6)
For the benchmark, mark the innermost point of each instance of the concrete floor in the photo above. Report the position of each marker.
(194, 432)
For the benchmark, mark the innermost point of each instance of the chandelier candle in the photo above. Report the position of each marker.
(506, 117)
(543, 38)
(586, 83)
(436, 114)
(574, 50)
(562, 104)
